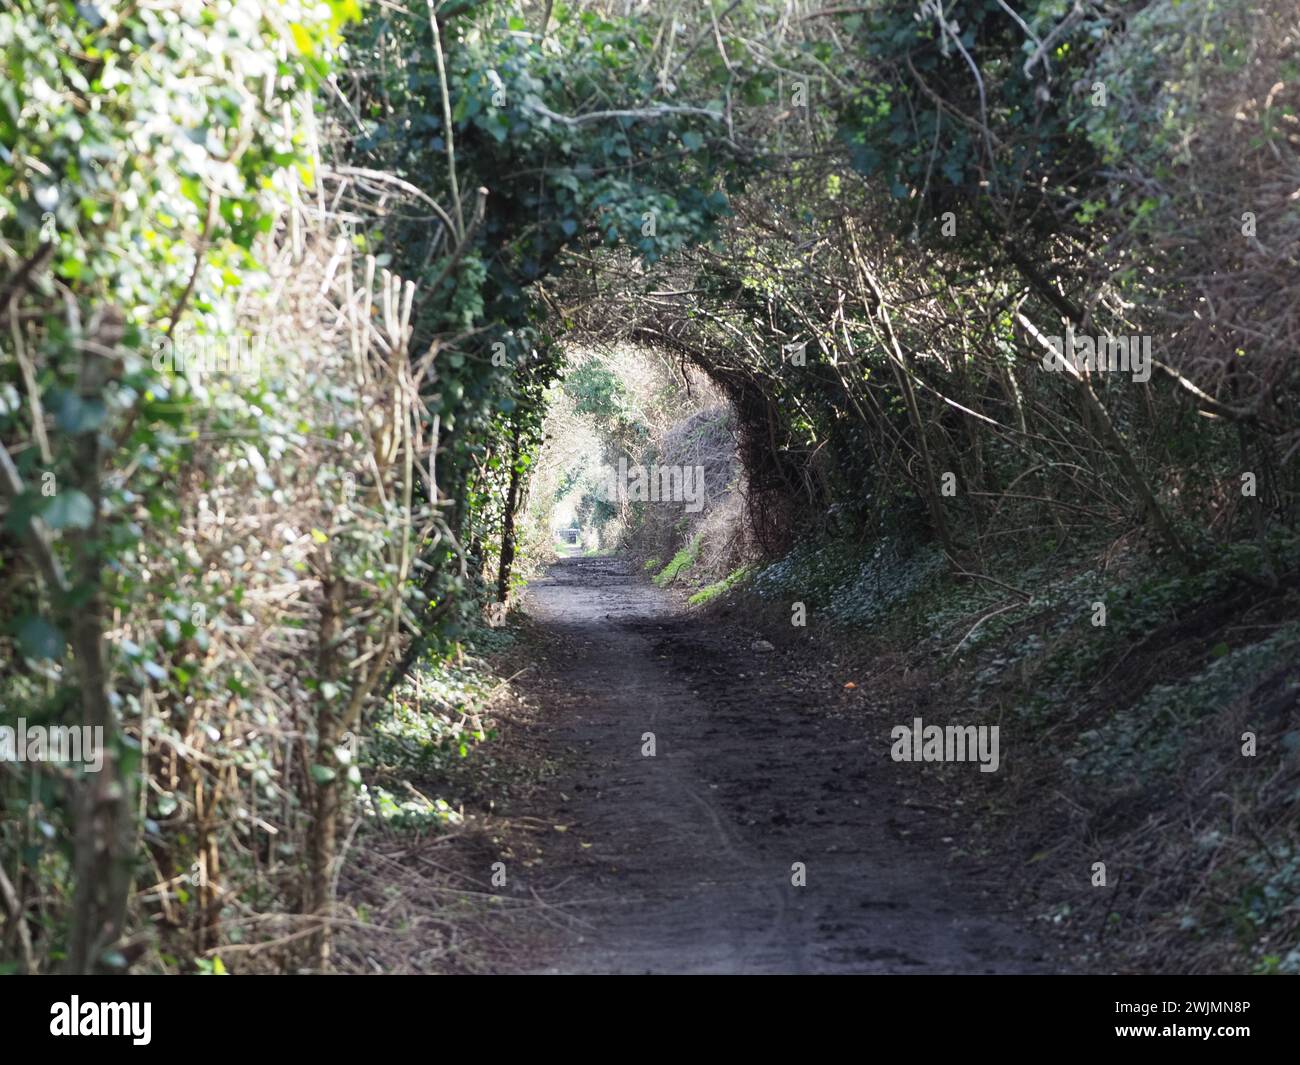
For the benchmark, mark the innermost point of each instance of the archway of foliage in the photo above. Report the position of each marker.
(558, 145)
(929, 200)
(958, 192)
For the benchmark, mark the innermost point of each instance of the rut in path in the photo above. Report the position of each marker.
(683, 861)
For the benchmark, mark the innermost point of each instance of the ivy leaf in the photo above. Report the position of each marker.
(76, 415)
(38, 638)
(69, 509)
(22, 509)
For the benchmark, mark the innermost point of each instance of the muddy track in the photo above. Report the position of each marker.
(682, 862)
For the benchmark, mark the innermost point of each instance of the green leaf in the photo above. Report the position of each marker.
(38, 638)
(69, 509)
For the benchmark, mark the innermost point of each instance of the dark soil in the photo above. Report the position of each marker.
(683, 862)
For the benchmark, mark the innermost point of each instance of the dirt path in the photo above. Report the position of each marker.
(682, 862)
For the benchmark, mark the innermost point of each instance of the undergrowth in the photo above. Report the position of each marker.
(681, 562)
(432, 724)
(711, 591)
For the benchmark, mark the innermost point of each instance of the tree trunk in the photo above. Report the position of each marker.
(103, 835)
(319, 900)
(512, 504)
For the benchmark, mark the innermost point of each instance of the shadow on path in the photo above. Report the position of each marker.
(682, 862)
